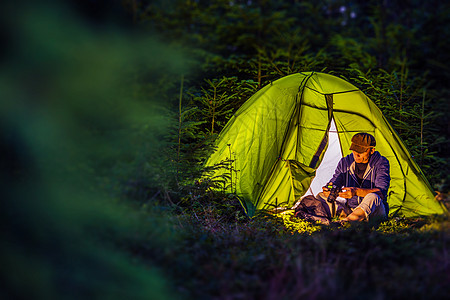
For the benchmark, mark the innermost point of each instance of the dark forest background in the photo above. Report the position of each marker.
(394, 51)
(109, 109)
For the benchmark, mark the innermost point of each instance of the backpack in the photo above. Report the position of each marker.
(313, 210)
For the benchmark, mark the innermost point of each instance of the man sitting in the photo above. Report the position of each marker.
(363, 177)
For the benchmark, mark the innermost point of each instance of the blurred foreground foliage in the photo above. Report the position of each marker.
(71, 128)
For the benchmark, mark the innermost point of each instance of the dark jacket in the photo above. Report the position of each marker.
(376, 176)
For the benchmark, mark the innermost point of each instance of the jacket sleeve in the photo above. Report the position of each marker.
(339, 173)
(382, 176)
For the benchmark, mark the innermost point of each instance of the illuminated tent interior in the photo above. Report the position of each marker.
(286, 140)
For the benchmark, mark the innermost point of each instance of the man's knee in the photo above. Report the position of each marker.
(373, 205)
(373, 198)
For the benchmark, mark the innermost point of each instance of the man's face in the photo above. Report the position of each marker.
(364, 156)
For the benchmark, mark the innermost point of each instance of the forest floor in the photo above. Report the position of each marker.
(217, 253)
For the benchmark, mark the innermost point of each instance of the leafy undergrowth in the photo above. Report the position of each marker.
(213, 252)
(394, 225)
(296, 225)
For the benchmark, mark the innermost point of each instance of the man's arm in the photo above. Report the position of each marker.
(349, 192)
(382, 177)
(337, 178)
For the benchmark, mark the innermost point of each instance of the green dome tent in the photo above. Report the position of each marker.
(286, 140)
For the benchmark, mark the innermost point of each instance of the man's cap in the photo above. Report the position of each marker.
(362, 141)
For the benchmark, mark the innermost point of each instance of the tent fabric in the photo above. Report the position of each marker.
(286, 140)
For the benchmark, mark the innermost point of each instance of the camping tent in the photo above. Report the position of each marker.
(285, 141)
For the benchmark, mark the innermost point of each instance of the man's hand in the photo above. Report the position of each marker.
(348, 192)
(326, 191)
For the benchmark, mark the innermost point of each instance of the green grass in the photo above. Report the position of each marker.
(224, 257)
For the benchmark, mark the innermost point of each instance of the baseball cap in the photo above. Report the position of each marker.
(362, 141)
